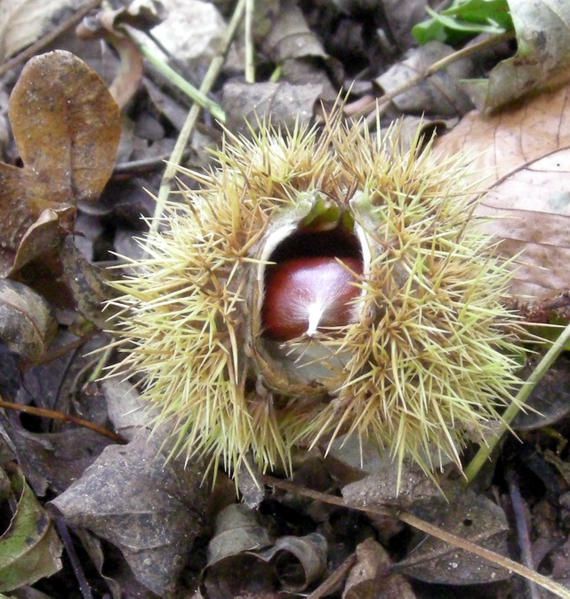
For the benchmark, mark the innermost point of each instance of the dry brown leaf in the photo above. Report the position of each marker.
(67, 129)
(524, 156)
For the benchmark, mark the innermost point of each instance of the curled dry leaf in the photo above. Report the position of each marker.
(237, 530)
(26, 322)
(29, 548)
(67, 127)
(523, 157)
(298, 561)
(129, 75)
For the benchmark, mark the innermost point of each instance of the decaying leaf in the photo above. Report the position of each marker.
(542, 59)
(291, 37)
(30, 548)
(192, 31)
(24, 22)
(67, 128)
(237, 530)
(87, 284)
(386, 488)
(286, 104)
(150, 509)
(523, 157)
(472, 517)
(26, 322)
(549, 402)
(125, 409)
(371, 578)
(298, 561)
(439, 94)
(55, 460)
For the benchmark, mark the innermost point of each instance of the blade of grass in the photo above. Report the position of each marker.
(485, 451)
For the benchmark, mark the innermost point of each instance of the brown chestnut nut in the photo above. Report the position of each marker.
(306, 294)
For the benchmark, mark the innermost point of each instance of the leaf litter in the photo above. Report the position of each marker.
(153, 513)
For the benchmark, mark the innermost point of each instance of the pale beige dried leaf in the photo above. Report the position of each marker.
(523, 157)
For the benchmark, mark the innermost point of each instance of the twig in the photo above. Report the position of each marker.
(249, 47)
(432, 530)
(207, 84)
(523, 533)
(434, 68)
(196, 95)
(485, 451)
(55, 415)
(63, 531)
(144, 164)
(61, 351)
(333, 581)
(48, 37)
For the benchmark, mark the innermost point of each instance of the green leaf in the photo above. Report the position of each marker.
(30, 548)
(464, 18)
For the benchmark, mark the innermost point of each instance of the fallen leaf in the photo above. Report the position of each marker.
(26, 322)
(404, 490)
(151, 509)
(127, 412)
(542, 59)
(549, 402)
(66, 126)
(298, 561)
(192, 31)
(291, 37)
(24, 22)
(237, 530)
(472, 517)
(30, 548)
(439, 94)
(55, 460)
(371, 576)
(401, 17)
(88, 284)
(286, 104)
(523, 157)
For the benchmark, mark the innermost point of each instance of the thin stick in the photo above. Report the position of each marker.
(48, 37)
(249, 47)
(485, 451)
(55, 415)
(434, 68)
(207, 84)
(432, 530)
(196, 95)
(523, 532)
(63, 531)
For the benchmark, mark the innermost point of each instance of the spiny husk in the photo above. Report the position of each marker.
(432, 355)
